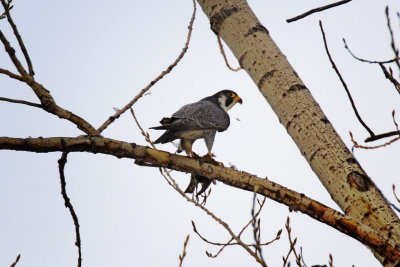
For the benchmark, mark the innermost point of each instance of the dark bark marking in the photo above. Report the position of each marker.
(288, 124)
(296, 87)
(325, 120)
(257, 28)
(314, 153)
(267, 75)
(218, 18)
(359, 181)
(351, 160)
(242, 57)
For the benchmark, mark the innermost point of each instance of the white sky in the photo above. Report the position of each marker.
(95, 55)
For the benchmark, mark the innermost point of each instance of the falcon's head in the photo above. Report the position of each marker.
(227, 99)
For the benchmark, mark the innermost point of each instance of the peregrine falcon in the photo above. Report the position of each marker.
(197, 120)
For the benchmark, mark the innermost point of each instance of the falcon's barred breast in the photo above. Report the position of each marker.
(197, 120)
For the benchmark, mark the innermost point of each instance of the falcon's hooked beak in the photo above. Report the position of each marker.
(238, 99)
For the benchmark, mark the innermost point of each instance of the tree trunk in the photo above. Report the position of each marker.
(349, 186)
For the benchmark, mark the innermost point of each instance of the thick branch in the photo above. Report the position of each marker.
(242, 180)
(304, 120)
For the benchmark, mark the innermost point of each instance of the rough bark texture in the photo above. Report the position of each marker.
(156, 158)
(349, 186)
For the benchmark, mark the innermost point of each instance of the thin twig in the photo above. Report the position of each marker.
(20, 102)
(16, 260)
(315, 10)
(394, 193)
(18, 36)
(221, 222)
(366, 60)
(229, 243)
(343, 82)
(292, 245)
(181, 257)
(12, 75)
(61, 164)
(302, 258)
(389, 76)
(394, 120)
(3, 16)
(372, 147)
(159, 77)
(257, 228)
(221, 48)
(392, 43)
(331, 260)
(380, 136)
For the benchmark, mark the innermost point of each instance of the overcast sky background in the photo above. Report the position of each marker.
(96, 55)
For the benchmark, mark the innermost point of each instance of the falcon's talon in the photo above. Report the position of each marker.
(206, 159)
(195, 156)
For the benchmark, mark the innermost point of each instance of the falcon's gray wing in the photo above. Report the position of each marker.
(202, 115)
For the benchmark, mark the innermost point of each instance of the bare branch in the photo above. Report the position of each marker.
(181, 257)
(242, 180)
(16, 261)
(9, 7)
(343, 82)
(11, 75)
(372, 147)
(380, 136)
(392, 43)
(20, 102)
(394, 193)
(229, 243)
(394, 120)
(221, 48)
(153, 82)
(61, 164)
(292, 245)
(257, 227)
(18, 36)
(47, 101)
(366, 60)
(389, 76)
(315, 10)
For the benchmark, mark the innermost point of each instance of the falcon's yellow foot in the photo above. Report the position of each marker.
(211, 155)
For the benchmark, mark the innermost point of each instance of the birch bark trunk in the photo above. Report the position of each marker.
(343, 177)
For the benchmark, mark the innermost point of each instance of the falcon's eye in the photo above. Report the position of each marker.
(231, 94)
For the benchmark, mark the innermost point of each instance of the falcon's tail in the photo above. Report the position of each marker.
(162, 127)
(166, 137)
